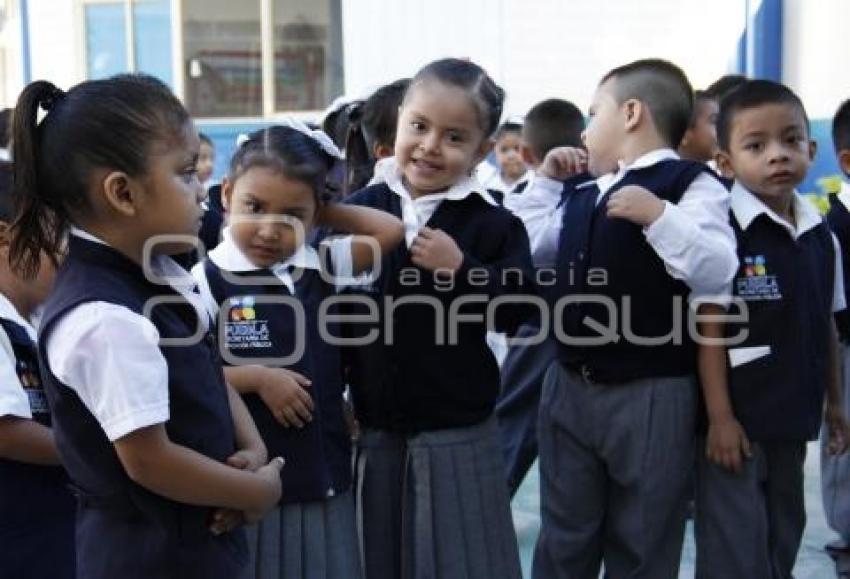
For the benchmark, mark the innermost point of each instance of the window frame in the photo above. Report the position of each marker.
(267, 66)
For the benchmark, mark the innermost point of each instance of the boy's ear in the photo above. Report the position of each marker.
(724, 164)
(844, 160)
(634, 112)
(121, 193)
(813, 149)
(528, 156)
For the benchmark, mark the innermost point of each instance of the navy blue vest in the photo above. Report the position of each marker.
(36, 505)
(124, 530)
(318, 456)
(592, 243)
(839, 221)
(788, 288)
(419, 380)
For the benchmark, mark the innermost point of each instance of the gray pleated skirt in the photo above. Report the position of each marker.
(315, 540)
(435, 506)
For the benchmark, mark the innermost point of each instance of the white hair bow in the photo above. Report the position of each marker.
(317, 135)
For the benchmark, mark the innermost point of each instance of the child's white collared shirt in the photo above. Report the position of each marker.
(693, 237)
(416, 212)
(110, 356)
(228, 257)
(13, 398)
(746, 207)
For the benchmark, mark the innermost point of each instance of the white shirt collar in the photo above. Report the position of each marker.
(746, 207)
(167, 270)
(844, 194)
(9, 312)
(605, 182)
(227, 255)
(388, 171)
(415, 213)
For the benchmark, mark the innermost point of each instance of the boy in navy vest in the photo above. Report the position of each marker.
(835, 470)
(618, 410)
(782, 358)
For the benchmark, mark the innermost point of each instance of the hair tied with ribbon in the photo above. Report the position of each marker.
(242, 139)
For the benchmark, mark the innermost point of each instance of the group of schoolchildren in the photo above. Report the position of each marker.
(171, 424)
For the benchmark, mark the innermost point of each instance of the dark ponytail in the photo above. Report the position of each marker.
(40, 219)
(107, 124)
(359, 164)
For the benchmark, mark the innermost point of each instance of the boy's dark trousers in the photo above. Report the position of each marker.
(751, 524)
(616, 464)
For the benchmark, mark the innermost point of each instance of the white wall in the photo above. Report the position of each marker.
(816, 48)
(54, 47)
(538, 48)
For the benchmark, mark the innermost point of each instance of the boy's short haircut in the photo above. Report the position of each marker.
(206, 139)
(663, 88)
(379, 115)
(841, 127)
(7, 204)
(552, 123)
(507, 127)
(724, 85)
(749, 95)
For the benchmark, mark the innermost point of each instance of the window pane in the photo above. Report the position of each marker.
(308, 53)
(106, 39)
(152, 35)
(223, 67)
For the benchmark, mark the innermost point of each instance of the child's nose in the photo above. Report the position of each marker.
(777, 152)
(430, 142)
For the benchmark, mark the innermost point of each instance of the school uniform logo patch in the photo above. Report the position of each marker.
(31, 382)
(243, 330)
(757, 284)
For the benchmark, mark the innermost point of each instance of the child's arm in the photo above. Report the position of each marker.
(26, 440)
(726, 442)
(371, 228)
(836, 422)
(183, 475)
(251, 451)
(282, 390)
(693, 237)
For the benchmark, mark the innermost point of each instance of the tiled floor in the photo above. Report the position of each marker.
(812, 562)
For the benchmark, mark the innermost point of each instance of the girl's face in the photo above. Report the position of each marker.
(439, 139)
(171, 204)
(269, 214)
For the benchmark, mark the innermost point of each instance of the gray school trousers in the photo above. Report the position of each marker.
(751, 524)
(616, 468)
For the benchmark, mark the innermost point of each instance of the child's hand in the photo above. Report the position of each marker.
(434, 249)
(839, 431)
(225, 520)
(636, 204)
(727, 444)
(563, 162)
(247, 459)
(284, 393)
(271, 473)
